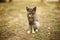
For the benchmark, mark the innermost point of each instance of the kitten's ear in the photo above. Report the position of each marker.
(27, 8)
(34, 8)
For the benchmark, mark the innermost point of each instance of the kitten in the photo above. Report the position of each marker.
(33, 21)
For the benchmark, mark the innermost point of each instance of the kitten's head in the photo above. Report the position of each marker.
(31, 10)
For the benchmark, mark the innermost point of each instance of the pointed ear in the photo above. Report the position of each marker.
(34, 9)
(27, 8)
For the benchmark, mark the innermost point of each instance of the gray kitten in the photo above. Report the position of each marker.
(33, 21)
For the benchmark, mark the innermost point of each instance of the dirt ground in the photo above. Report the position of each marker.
(14, 23)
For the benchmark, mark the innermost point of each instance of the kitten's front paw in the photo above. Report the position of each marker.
(33, 31)
(28, 32)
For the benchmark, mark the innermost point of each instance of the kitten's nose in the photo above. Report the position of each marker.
(30, 15)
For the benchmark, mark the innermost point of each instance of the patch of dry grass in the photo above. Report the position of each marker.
(14, 23)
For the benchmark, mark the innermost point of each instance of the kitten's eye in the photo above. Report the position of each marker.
(34, 9)
(27, 8)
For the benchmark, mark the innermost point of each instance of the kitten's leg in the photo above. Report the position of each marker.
(30, 29)
(33, 29)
